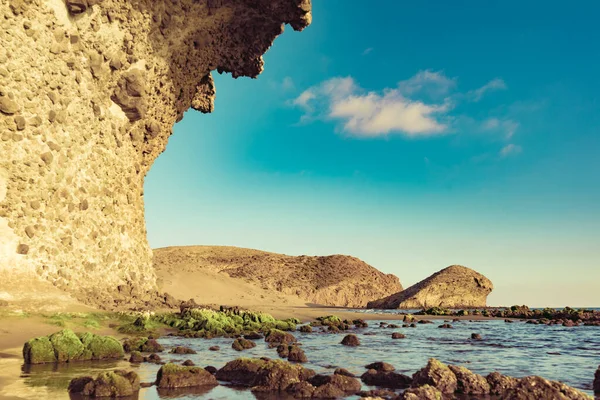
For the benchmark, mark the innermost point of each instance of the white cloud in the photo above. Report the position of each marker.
(372, 114)
(431, 82)
(493, 85)
(288, 84)
(367, 51)
(507, 126)
(510, 149)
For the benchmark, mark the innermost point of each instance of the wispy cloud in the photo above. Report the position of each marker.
(510, 149)
(431, 82)
(367, 51)
(493, 85)
(371, 114)
(507, 127)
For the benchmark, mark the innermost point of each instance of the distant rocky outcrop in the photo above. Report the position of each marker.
(335, 280)
(452, 287)
(89, 93)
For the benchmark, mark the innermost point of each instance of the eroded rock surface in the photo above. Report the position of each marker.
(453, 287)
(89, 93)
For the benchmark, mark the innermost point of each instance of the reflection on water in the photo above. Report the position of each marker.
(570, 355)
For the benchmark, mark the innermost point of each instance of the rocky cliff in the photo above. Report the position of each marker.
(332, 280)
(89, 93)
(452, 287)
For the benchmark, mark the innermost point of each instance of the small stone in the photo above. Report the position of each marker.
(8, 106)
(21, 122)
(47, 158)
(476, 336)
(397, 335)
(30, 231)
(22, 249)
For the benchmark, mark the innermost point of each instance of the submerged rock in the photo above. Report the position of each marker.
(276, 336)
(397, 335)
(171, 376)
(386, 379)
(182, 350)
(108, 384)
(263, 375)
(351, 340)
(242, 344)
(66, 346)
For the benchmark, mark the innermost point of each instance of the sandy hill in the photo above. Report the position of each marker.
(231, 275)
(452, 287)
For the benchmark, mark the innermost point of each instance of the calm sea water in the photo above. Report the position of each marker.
(570, 355)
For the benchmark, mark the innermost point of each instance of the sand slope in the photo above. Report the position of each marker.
(245, 277)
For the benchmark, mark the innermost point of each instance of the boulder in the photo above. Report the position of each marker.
(296, 354)
(597, 381)
(424, 392)
(66, 346)
(136, 357)
(211, 369)
(253, 336)
(535, 387)
(263, 375)
(343, 371)
(172, 376)
(476, 336)
(242, 344)
(468, 382)
(301, 390)
(436, 374)
(182, 350)
(153, 358)
(142, 344)
(306, 329)
(397, 335)
(348, 385)
(283, 350)
(275, 336)
(108, 384)
(386, 379)
(351, 340)
(500, 384)
(380, 366)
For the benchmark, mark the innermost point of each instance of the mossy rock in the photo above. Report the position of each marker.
(101, 347)
(39, 351)
(67, 346)
(278, 336)
(108, 384)
(172, 376)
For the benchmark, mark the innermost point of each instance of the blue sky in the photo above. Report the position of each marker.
(414, 135)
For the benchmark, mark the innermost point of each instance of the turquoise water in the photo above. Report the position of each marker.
(570, 355)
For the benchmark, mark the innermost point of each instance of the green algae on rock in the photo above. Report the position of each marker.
(142, 344)
(66, 346)
(207, 323)
(108, 384)
(172, 376)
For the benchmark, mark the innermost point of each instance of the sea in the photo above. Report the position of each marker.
(567, 354)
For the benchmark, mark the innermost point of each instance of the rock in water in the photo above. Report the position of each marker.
(172, 376)
(452, 287)
(65, 346)
(436, 374)
(425, 392)
(351, 340)
(75, 150)
(108, 384)
(597, 381)
(335, 280)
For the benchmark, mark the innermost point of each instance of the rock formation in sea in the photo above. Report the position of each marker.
(89, 93)
(335, 280)
(453, 287)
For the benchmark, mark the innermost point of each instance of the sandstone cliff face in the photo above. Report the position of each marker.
(452, 287)
(332, 280)
(89, 93)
